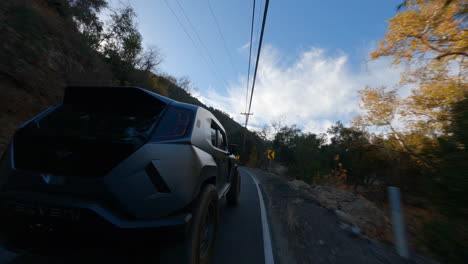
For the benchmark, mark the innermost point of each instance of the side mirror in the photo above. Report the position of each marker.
(233, 148)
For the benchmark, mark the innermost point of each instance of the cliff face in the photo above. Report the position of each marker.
(42, 51)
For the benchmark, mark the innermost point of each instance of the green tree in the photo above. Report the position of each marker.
(284, 143)
(352, 149)
(446, 234)
(300, 152)
(122, 43)
(307, 159)
(85, 14)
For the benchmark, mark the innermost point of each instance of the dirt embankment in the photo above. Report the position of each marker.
(352, 210)
(40, 52)
(317, 224)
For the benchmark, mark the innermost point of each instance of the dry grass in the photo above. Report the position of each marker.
(291, 219)
(415, 218)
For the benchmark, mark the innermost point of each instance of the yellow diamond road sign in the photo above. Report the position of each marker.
(270, 154)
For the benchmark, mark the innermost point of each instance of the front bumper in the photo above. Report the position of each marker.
(37, 220)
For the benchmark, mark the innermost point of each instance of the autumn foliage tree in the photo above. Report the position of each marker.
(430, 37)
(426, 29)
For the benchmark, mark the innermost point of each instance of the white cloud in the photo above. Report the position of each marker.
(244, 47)
(313, 92)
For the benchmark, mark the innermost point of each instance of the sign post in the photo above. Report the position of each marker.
(270, 156)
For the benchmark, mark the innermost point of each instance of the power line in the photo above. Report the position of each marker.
(222, 37)
(193, 42)
(199, 39)
(250, 58)
(257, 28)
(256, 64)
(247, 113)
(258, 14)
(258, 52)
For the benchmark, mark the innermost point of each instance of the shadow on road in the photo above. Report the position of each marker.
(239, 240)
(89, 257)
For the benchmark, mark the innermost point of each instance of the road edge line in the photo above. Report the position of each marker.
(267, 247)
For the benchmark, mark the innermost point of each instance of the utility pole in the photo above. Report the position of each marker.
(245, 134)
(247, 114)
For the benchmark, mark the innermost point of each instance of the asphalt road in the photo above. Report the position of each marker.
(240, 237)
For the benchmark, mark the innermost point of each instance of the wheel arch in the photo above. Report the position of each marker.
(207, 176)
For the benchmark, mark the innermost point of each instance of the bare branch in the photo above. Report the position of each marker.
(451, 54)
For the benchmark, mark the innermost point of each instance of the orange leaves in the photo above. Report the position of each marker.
(431, 35)
(426, 28)
(379, 104)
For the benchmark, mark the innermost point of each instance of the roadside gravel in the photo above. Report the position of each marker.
(305, 232)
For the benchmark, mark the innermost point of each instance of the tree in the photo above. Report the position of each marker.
(284, 143)
(264, 133)
(449, 186)
(85, 14)
(121, 45)
(382, 108)
(431, 38)
(301, 152)
(306, 159)
(353, 156)
(122, 40)
(186, 85)
(380, 105)
(426, 29)
(148, 59)
(450, 183)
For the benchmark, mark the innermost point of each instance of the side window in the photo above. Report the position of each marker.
(222, 140)
(218, 138)
(214, 142)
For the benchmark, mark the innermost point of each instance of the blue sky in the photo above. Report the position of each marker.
(313, 59)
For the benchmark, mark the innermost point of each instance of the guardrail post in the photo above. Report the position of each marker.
(397, 221)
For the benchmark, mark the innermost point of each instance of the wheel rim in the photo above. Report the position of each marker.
(207, 231)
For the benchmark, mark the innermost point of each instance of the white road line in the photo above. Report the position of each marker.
(267, 248)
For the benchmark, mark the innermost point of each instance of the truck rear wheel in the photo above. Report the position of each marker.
(198, 246)
(204, 226)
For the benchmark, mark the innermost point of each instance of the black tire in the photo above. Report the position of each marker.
(233, 196)
(198, 246)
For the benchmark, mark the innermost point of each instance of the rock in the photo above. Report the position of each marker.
(320, 242)
(356, 230)
(344, 226)
(297, 184)
(279, 169)
(344, 217)
(350, 209)
(366, 215)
